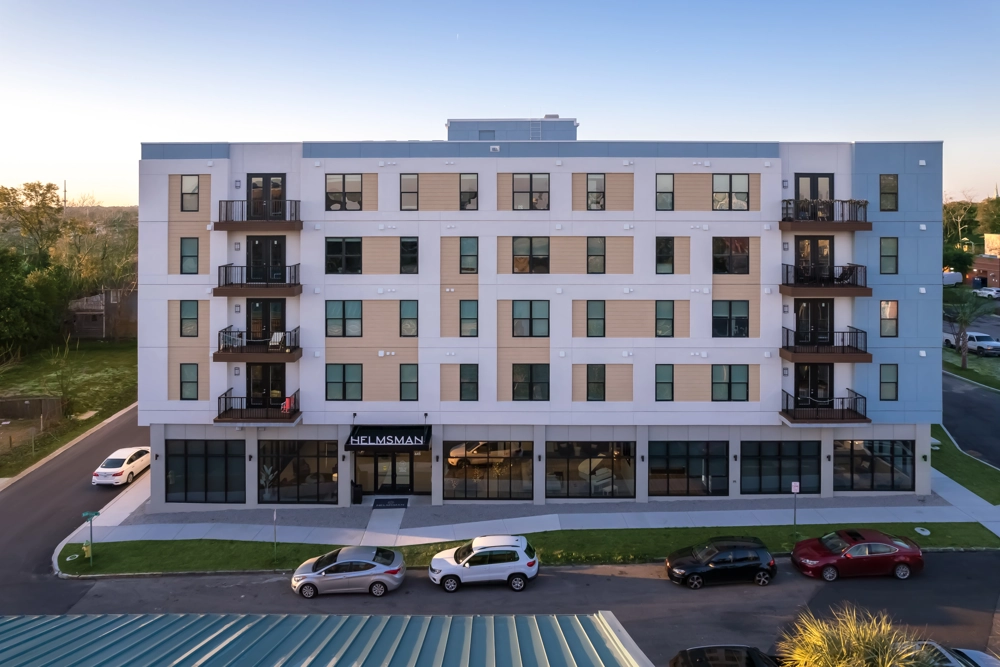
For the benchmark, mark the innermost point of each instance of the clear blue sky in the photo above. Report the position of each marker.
(85, 82)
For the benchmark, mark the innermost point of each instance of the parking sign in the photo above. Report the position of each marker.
(795, 487)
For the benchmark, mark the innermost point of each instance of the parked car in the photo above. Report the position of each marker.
(122, 466)
(951, 278)
(980, 343)
(493, 558)
(722, 560)
(722, 656)
(857, 553)
(959, 657)
(987, 292)
(350, 570)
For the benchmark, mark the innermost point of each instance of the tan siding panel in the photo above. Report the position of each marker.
(579, 192)
(204, 212)
(568, 255)
(193, 350)
(579, 383)
(438, 192)
(618, 382)
(754, 192)
(747, 278)
(692, 192)
(512, 350)
(505, 192)
(379, 329)
(188, 224)
(505, 254)
(379, 375)
(380, 255)
(749, 293)
(505, 332)
(369, 192)
(451, 307)
(692, 382)
(580, 319)
(619, 192)
(630, 319)
(682, 255)
(619, 251)
(450, 382)
(754, 383)
(451, 263)
(682, 319)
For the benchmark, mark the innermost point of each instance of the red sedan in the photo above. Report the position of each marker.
(857, 553)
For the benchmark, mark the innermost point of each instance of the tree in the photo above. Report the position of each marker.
(29, 310)
(959, 218)
(35, 211)
(957, 259)
(988, 214)
(851, 638)
(962, 309)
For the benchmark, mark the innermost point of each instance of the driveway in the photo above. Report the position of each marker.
(972, 415)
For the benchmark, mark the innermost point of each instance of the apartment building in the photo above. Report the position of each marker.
(516, 315)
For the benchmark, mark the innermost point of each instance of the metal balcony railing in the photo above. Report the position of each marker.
(258, 276)
(850, 408)
(264, 408)
(824, 210)
(234, 340)
(825, 342)
(821, 275)
(240, 210)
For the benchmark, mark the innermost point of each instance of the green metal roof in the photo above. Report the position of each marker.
(595, 640)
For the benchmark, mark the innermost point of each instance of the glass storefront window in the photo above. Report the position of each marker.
(590, 470)
(873, 465)
(297, 471)
(393, 472)
(772, 466)
(688, 468)
(206, 471)
(488, 470)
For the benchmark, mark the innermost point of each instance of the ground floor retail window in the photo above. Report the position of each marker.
(297, 471)
(488, 470)
(873, 465)
(590, 470)
(772, 466)
(393, 472)
(206, 471)
(689, 468)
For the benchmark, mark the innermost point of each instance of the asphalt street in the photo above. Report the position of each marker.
(971, 415)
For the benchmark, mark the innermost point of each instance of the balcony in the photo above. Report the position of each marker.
(279, 347)
(833, 347)
(806, 411)
(269, 410)
(278, 215)
(824, 215)
(262, 281)
(817, 280)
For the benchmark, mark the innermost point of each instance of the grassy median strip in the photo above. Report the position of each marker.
(984, 370)
(976, 476)
(563, 547)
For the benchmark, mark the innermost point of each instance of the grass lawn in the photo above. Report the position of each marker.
(564, 547)
(984, 370)
(100, 377)
(971, 473)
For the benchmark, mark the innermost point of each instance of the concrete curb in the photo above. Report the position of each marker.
(978, 384)
(959, 447)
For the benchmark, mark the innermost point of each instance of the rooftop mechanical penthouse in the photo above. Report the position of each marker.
(517, 315)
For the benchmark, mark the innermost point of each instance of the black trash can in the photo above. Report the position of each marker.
(356, 493)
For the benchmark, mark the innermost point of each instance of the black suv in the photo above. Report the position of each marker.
(722, 656)
(722, 560)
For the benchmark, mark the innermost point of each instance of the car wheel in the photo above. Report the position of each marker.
(450, 584)
(694, 582)
(378, 589)
(762, 578)
(902, 571)
(517, 582)
(948, 344)
(830, 573)
(129, 480)
(308, 591)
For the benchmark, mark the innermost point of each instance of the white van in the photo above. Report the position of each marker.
(951, 278)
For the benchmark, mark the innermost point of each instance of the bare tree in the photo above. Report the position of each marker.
(955, 212)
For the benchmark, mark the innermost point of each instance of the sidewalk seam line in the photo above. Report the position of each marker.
(959, 447)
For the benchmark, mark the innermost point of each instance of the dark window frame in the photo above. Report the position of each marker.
(344, 383)
(535, 260)
(882, 319)
(532, 192)
(883, 192)
(344, 319)
(892, 384)
(185, 196)
(593, 318)
(532, 383)
(658, 319)
(666, 456)
(490, 470)
(658, 383)
(531, 319)
(343, 255)
(733, 322)
(660, 258)
(462, 319)
(183, 319)
(729, 383)
(664, 192)
(189, 382)
(277, 453)
(344, 192)
(883, 256)
(730, 194)
(620, 454)
(415, 383)
(726, 262)
(409, 259)
(603, 254)
(415, 318)
(598, 196)
(463, 383)
(415, 192)
(462, 255)
(895, 460)
(189, 255)
(596, 382)
(234, 485)
(760, 457)
(464, 199)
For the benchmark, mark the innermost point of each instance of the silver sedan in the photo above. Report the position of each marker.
(350, 570)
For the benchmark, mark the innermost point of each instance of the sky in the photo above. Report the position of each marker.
(84, 83)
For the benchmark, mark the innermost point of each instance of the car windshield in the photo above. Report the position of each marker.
(900, 542)
(835, 543)
(113, 463)
(704, 552)
(325, 560)
(463, 552)
(384, 556)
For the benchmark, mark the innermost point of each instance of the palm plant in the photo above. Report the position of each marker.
(962, 309)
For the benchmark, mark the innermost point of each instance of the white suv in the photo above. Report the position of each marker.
(491, 558)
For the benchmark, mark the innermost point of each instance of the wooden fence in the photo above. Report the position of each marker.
(31, 408)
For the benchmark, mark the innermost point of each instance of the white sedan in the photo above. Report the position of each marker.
(987, 292)
(122, 466)
(958, 657)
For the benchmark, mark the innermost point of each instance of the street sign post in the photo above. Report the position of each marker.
(89, 516)
(795, 507)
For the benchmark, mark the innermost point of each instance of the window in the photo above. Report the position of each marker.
(409, 254)
(297, 471)
(595, 192)
(595, 319)
(664, 192)
(488, 470)
(343, 382)
(730, 383)
(664, 382)
(889, 319)
(664, 319)
(531, 382)
(888, 249)
(189, 193)
(189, 382)
(595, 382)
(888, 382)
(343, 255)
(595, 254)
(343, 319)
(730, 192)
(468, 192)
(206, 471)
(873, 465)
(408, 382)
(888, 192)
(531, 254)
(409, 192)
(343, 192)
(189, 255)
(730, 319)
(531, 319)
(590, 470)
(487, 135)
(531, 192)
(664, 254)
(771, 467)
(730, 255)
(468, 382)
(679, 468)
(468, 313)
(468, 248)
(189, 319)
(408, 319)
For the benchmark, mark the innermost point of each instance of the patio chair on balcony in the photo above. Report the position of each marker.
(846, 276)
(286, 407)
(277, 341)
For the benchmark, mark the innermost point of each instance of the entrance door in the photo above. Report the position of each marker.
(265, 385)
(814, 385)
(266, 259)
(814, 196)
(393, 472)
(814, 321)
(264, 318)
(814, 258)
(266, 197)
